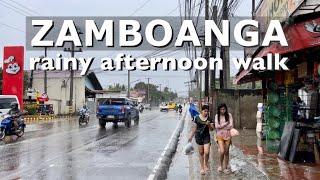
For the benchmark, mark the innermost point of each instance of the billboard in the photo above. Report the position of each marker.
(275, 10)
(272, 10)
(12, 75)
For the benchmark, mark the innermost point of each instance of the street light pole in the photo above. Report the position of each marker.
(128, 90)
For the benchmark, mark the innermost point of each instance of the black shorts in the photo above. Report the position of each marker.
(202, 140)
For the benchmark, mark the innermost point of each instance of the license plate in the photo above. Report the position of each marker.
(110, 116)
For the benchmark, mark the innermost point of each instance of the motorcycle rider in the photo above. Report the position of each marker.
(141, 107)
(180, 108)
(84, 109)
(15, 113)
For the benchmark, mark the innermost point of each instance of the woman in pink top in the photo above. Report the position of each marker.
(223, 124)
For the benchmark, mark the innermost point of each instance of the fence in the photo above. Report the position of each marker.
(242, 104)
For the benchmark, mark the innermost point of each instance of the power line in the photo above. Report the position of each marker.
(14, 8)
(139, 8)
(35, 12)
(12, 27)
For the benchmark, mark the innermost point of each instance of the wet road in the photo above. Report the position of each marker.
(63, 150)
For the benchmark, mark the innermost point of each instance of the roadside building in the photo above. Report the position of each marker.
(58, 89)
(284, 115)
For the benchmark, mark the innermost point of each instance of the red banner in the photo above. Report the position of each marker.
(299, 36)
(13, 60)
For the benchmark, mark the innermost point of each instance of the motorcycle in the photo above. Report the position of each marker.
(180, 111)
(7, 127)
(83, 117)
(141, 109)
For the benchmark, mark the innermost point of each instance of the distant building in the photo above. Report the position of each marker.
(58, 89)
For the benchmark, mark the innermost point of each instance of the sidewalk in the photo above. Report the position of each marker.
(188, 167)
(244, 160)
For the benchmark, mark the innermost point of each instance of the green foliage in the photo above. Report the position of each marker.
(117, 87)
(31, 108)
(155, 95)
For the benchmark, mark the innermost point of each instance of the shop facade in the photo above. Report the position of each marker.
(291, 98)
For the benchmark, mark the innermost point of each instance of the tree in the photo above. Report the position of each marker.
(117, 87)
(156, 96)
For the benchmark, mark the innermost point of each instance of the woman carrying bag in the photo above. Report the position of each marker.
(201, 127)
(224, 132)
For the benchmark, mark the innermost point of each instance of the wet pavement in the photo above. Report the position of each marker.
(188, 166)
(272, 166)
(65, 150)
(245, 161)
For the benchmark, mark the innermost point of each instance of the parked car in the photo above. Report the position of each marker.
(5, 101)
(147, 106)
(117, 110)
(164, 107)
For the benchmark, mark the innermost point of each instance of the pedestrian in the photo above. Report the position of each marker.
(259, 117)
(223, 125)
(201, 127)
(193, 111)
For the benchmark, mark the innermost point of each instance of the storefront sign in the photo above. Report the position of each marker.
(289, 77)
(302, 70)
(299, 36)
(276, 9)
(43, 98)
(13, 60)
(269, 10)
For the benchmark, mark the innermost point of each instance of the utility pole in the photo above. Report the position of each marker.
(72, 50)
(31, 79)
(253, 8)
(148, 100)
(160, 87)
(206, 56)
(253, 17)
(45, 83)
(225, 51)
(213, 72)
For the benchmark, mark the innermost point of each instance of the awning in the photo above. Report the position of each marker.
(299, 36)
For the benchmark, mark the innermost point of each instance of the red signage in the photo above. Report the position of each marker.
(299, 36)
(44, 97)
(13, 60)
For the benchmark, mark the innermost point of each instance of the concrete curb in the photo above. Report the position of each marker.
(162, 167)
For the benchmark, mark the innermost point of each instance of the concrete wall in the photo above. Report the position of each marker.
(59, 95)
(242, 104)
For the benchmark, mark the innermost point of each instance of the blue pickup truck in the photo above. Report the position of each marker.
(117, 110)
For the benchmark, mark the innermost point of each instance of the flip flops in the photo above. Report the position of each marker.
(226, 171)
(202, 172)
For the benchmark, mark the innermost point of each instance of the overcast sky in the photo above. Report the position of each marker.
(12, 28)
